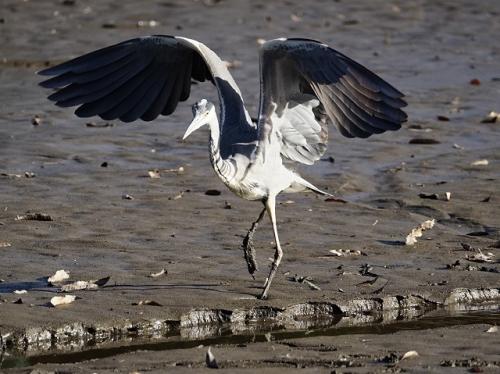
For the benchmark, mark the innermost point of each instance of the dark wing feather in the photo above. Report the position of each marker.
(138, 78)
(89, 61)
(358, 101)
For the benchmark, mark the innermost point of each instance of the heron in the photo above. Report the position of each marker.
(304, 86)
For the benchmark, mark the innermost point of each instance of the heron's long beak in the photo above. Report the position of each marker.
(198, 122)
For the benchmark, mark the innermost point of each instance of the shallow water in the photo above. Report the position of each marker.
(439, 319)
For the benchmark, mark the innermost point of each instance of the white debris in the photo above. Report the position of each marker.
(480, 163)
(179, 170)
(62, 300)
(345, 252)
(85, 285)
(481, 257)
(155, 174)
(78, 285)
(210, 360)
(178, 196)
(410, 354)
(147, 23)
(20, 292)
(311, 285)
(415, 233)
(59, 276)
(493, 329)
(492, 117)
(158, 274)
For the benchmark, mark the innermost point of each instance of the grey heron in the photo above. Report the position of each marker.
(304, 84)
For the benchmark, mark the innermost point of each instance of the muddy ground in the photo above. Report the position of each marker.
(444, 55)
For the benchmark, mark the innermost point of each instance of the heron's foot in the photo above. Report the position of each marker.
(263, 295)
(250, 254)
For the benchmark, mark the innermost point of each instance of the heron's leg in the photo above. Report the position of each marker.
(248, 248)
(270, 206)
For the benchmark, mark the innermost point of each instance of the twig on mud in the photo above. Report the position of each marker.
(306, 280)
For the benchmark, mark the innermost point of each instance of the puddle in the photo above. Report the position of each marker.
(40, 284)
(261, 333)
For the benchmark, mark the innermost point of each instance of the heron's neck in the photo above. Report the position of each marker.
(223, 168)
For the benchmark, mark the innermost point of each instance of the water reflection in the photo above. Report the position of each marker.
(243, 333)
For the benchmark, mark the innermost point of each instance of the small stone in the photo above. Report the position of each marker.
(492, 117)
(424, 141)
(212, 192)
(432, 196)
(36, 120)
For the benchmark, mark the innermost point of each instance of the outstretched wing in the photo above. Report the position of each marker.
(305, 82)
(139, 78)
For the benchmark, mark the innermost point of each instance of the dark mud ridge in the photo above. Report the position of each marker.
(203, 323)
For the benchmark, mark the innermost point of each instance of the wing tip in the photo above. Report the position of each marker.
(82, 112)
(45, 72)
(44, 84)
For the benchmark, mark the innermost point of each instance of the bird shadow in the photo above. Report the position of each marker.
(42, 285)
(168, 286)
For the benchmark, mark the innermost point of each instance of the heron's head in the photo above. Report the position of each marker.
(203, 113)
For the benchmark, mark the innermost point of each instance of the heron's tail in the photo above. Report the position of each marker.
(300, 184)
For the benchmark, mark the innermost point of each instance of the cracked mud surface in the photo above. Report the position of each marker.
(430, 50)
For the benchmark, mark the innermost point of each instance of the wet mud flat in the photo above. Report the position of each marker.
(99, 213)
